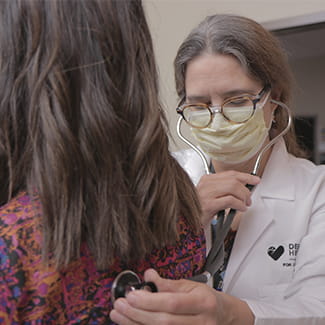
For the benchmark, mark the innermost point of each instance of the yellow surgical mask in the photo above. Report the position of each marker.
(233, 143)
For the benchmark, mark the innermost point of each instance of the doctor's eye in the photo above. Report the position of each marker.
(238, 102)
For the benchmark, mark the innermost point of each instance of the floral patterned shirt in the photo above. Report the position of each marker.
(33, 294)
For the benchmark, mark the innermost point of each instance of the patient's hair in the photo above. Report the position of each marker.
(82, 128)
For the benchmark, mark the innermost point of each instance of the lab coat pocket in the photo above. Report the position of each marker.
(272, 290)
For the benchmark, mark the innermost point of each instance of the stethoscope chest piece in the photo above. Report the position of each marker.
(128, 281)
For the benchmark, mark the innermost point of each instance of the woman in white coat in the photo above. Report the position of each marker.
(231, 74)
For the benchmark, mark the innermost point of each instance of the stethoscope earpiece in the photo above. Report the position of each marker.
(128, 281)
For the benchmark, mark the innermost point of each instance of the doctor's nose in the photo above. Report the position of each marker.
(217, 118)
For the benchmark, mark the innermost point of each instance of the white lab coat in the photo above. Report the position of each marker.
(277, 264)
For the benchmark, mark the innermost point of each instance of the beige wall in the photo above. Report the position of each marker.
(171, 20)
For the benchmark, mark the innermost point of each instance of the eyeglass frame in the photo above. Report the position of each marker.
(219, 108)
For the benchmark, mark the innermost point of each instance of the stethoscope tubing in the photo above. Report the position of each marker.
(221, 226)
(127, 280)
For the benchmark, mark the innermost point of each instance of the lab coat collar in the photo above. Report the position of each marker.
(277, 180)
(276, 183)
(252, 225)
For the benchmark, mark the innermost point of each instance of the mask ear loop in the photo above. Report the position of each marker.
(260, 105)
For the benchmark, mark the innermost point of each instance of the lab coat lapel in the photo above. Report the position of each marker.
(277, 183)
(251, 228)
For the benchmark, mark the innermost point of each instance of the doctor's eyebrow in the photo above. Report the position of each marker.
(197, 99)
(224, 95)
(239, 92)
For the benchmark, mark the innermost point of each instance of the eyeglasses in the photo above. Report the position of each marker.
(237, 109)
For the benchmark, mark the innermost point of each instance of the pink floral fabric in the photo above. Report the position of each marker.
(32, 294)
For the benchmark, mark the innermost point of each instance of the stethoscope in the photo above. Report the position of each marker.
(128, 281)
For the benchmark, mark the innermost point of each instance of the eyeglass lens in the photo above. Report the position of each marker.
(236, 110)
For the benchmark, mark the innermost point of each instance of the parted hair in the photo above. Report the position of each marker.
(257, 50)
(81, 127)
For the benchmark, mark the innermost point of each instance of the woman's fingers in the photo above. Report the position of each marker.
(123, 313)
(126, 314)
(225, 190)
(176, 302)
(227, 183)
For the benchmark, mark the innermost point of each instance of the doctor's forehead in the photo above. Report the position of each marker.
(215, 74)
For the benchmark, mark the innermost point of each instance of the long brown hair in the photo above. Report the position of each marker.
(81, 125)
(258, 52)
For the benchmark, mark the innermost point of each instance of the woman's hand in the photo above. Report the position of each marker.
(177, 302)
(180, 302)
(224, 190)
